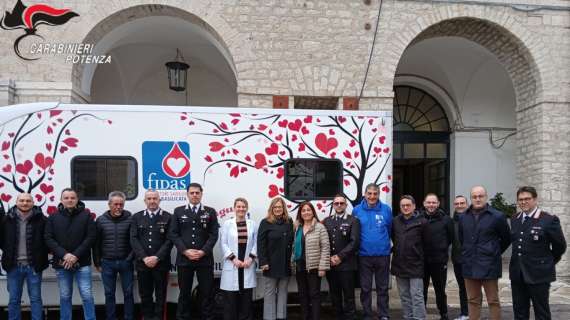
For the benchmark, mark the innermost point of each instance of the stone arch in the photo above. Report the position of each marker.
(515, 47)
(82, 74)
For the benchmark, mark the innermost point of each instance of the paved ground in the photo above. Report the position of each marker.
(559, 303)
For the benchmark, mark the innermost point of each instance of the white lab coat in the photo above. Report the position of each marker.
(229, 245)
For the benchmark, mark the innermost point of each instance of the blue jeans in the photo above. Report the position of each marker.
(16, 277)
(65, 282)
(109, 272)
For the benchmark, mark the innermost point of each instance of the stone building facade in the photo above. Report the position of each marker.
(265, 53)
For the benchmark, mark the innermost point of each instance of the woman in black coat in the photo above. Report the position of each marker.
(274, 249)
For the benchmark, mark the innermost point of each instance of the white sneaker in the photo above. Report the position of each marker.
(462, 318)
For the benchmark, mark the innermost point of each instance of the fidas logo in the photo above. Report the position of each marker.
(166, 165)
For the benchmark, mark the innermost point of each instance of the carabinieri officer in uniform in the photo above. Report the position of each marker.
(344, 237)
(194, 232)
(152, 248)
(538, 244)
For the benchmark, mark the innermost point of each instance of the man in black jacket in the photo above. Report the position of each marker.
(152, 248)
(409, 233)
(484, 234)
(24, 254)
(436, 249)
(538, 244)
(344, 238)
(459, 205)
(70, 235)
(113, 256)
(194, 232)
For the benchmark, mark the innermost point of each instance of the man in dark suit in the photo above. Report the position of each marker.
(152, 248)
(344, 238)
(194, 232)
(538, 244)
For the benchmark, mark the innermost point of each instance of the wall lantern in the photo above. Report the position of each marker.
(177, 72)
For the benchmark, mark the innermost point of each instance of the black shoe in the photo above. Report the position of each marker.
(444, 317)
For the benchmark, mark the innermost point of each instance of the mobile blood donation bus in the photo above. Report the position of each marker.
(233, 152)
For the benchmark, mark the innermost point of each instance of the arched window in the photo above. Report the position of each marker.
(416, 110)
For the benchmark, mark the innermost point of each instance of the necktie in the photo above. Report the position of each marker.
(194, 209)
(151, 215)
(525, 218)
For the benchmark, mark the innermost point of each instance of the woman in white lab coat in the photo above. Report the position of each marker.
(238, 240)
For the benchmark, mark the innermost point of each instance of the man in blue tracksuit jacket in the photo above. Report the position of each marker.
(374, 255)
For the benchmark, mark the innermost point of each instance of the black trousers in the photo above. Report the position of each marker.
(153, 282)
(341, 285)
(309, 284)
(524, 293)
(438, 274)
(238, 305)
(379, 268)
(205, 277)
(458, 270)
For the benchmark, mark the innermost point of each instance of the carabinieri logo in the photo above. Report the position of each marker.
(29, 18)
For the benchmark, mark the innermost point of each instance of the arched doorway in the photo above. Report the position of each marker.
(482, 76)
(421, 145)
(140, 42)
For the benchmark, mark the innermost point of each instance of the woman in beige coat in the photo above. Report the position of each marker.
(311, 255)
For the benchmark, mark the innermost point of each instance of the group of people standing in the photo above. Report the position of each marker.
(366, 245)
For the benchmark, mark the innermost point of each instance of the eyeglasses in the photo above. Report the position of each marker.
(339, 203)
(524, 199)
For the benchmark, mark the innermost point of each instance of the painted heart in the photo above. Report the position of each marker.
(282, 153)
(42, 161)
(294, 138)
(331, 132)
(22, 179)
(5, 197)
(382, 139)
(280, 172)
(7, 168)
(39, 197)
(296, 125)
(386, 189)
(260, 161)
(48, 146)
(176, 165)
(301, 147)
(325, 144)
(45, 188)
(273, 191)
(62, 149)
(386, 150)
(341, 119)
(347, 154)
(304, 130)
(215, 146)
(5, 145)
(24, 168)
(308, 119)
(282, 123)
(272, 149)
(234, 172)
(377, 149)
(279, 137)
(352, 143)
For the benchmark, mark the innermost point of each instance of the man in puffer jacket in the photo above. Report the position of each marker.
(436, 251)
(24, 254)
(375, 225)
(113, 255)
(70, 235)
